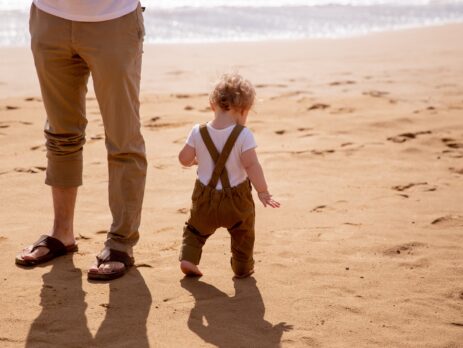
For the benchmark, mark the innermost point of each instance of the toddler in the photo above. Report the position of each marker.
(224, 150)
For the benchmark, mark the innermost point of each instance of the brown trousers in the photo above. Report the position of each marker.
(231, 207)
(65, 53)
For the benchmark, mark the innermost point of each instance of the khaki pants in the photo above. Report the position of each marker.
(65, 53)
(232, 208)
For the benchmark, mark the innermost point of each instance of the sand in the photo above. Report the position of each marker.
(361, 141)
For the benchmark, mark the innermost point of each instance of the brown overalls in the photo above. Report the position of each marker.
(231, 207)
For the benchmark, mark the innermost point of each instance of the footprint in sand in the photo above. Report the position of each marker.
(96, 137)
(430, 108)
(280, 132)
(182, 96)
(342, 83)
(29, 99)
(31, 170)
(456, 170)
(318, 106)
(176, 72)
(11, 107)
(319, 209)
(346, 144)
(407, 186)
(263, 85)
(206, 109)
(182, 211)
(322, 152)
(38, 147)
(404, 249)
(188, 108)
(401, 138)
(352, 224)
(291, 94)
(343, 110)
(101, 232)
(154, 124)
(375, 93)
(456, 294)
(448, 221)
(452, 143)
(304, 129)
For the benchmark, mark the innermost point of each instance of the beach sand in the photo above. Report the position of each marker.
(361, 140)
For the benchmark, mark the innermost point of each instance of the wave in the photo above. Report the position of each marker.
(219, 24)
(10, 5)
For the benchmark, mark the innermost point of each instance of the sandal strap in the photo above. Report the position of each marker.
(115, 255)
(55, 246)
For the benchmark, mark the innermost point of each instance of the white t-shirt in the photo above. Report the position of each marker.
(87, 10)
(236, 172)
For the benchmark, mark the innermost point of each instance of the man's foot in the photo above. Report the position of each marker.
(45, 249)
(108, 267)
(110, 264)
(190, 269)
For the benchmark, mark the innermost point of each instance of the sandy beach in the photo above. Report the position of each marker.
(361, 140)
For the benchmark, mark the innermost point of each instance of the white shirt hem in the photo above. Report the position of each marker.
(77, 18)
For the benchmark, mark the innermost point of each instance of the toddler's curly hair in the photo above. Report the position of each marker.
(232, 91)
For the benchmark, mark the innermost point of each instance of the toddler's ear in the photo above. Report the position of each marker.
(212, 106)
(245, 112)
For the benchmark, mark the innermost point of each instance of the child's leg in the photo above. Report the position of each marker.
(242, 247)
(190, 254)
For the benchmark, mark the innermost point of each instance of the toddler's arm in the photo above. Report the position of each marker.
(256, 175)
(187, 156)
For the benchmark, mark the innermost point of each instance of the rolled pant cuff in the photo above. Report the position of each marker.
(116, 245)
(191, 254)
(67, 173)
(241, 267)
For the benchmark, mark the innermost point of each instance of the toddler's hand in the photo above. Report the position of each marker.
(266, 199)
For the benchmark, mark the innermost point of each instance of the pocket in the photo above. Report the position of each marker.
(140, 22)
(32, 13)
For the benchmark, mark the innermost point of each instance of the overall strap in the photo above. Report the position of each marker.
(213, 152)
(220, 159)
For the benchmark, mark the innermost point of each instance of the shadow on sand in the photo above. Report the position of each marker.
(62, 322)
(236, 321)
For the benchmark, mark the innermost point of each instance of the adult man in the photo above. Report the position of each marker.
(70, 40)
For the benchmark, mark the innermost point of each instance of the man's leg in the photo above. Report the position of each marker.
(113, 50)
(63, 77)
(64, 200)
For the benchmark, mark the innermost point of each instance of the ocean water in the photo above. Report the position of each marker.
(191, 21)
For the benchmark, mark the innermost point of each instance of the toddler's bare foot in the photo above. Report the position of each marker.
(190, 269)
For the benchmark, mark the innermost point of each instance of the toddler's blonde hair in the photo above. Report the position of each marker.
(232, 91)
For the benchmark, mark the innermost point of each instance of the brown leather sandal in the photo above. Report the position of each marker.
(112, 255)
(55, 248)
